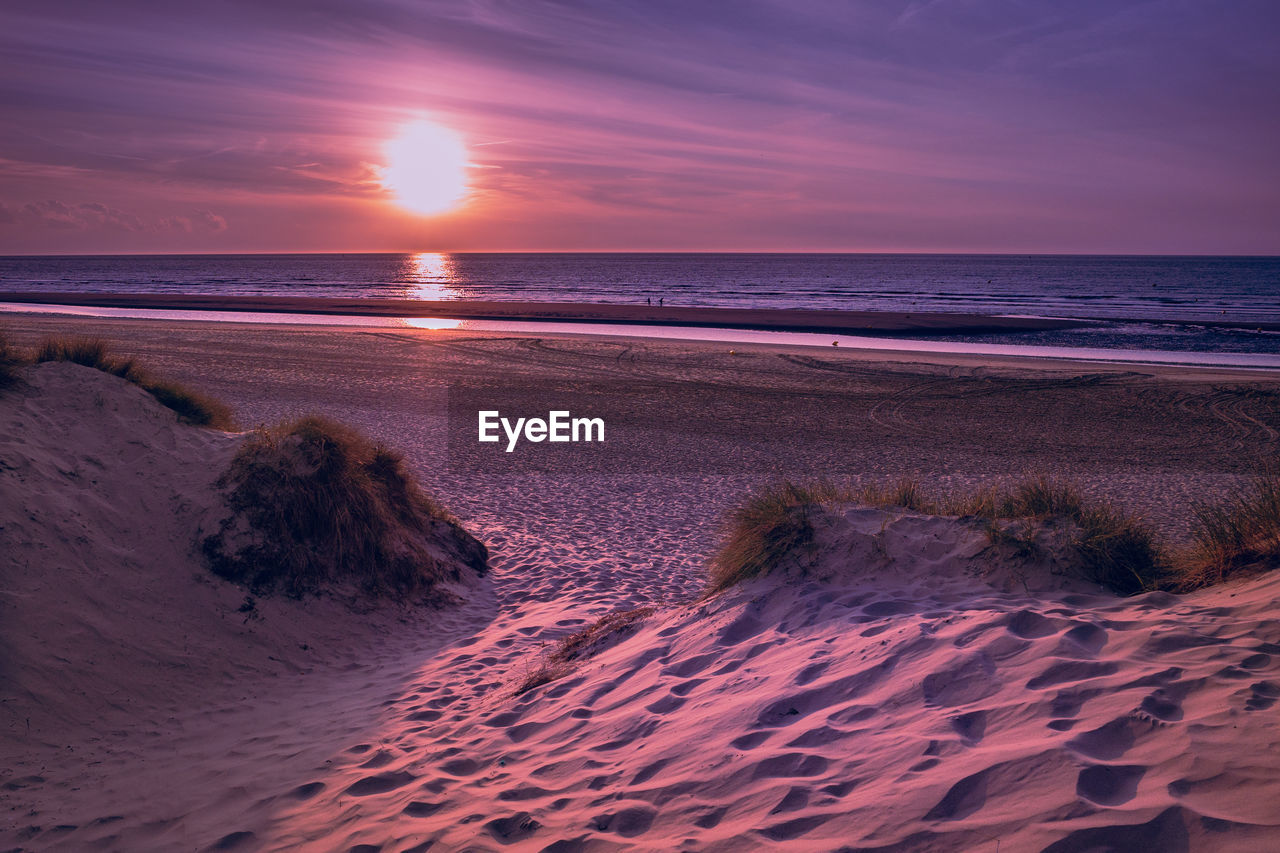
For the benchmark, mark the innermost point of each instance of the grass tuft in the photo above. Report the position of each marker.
(1235, 539)
(905, 493)
(89, 352)
(774, 526)
(192, 406)
(581, 646)
(1119, 551)
(315, 503)
(769, 527)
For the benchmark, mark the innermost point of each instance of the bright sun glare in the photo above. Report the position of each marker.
(426, 168)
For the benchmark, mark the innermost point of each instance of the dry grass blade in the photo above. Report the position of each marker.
(582, 645)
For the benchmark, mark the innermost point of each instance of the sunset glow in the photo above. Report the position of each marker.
(913, 126)
(426, 168)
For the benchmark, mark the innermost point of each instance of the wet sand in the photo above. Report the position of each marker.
(771, 319)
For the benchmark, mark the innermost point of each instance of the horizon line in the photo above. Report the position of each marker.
(919, 253)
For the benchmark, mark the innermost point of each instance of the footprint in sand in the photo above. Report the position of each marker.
(686, 687)
(797, 798)
(971, 727)
(1258, 661)
(743, 628)
(1072, 671)
(810, 672)
(1262, 696)
(307, 791)
(461, 767)
(1110, 741)
(793, 828)
(963, 799)
(1162, 705)
(1109, 784)
(968, 680)
(1030, 625)
(1166, 832)
(852, 714)
(1086, 638)
(665, 705)
(840, 789)
(628, 822)
(421, 808)
(821, 736)
(380, 783)
(649, 771)
(516, 827)
(750, 741)
(710, 818)
(381, 758)
(235, 841)
(789, 765)
(428, 716)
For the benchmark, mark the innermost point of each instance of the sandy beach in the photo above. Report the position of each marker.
(894, 713)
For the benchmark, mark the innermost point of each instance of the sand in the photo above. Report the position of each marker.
(847, 713)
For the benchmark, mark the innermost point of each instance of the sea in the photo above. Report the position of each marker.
(1141, 302)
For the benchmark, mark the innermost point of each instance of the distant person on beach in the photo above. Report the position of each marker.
(660, 301)
(648, 301)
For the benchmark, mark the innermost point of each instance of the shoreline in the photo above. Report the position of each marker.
(823, 320)
(763, 319)
(875, 347)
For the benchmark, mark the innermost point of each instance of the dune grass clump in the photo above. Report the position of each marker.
(905, 493)
(582, 645)
(314, 504)
(1237, 538)
(88, 352)
(1114, 549)
(192, 406)
(771, 526)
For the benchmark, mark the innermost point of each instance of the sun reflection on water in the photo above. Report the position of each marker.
(431, 275)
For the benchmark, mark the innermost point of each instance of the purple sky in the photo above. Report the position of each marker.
(830, 125)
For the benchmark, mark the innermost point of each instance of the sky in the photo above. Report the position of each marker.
(795, 125)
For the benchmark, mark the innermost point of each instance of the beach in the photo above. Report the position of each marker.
(1153, 437)
(403, 734)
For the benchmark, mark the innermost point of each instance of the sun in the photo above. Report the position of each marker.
(426, 168)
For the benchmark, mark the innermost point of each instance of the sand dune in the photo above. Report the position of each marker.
(135, 685)
(887, 709)
(915, 707)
